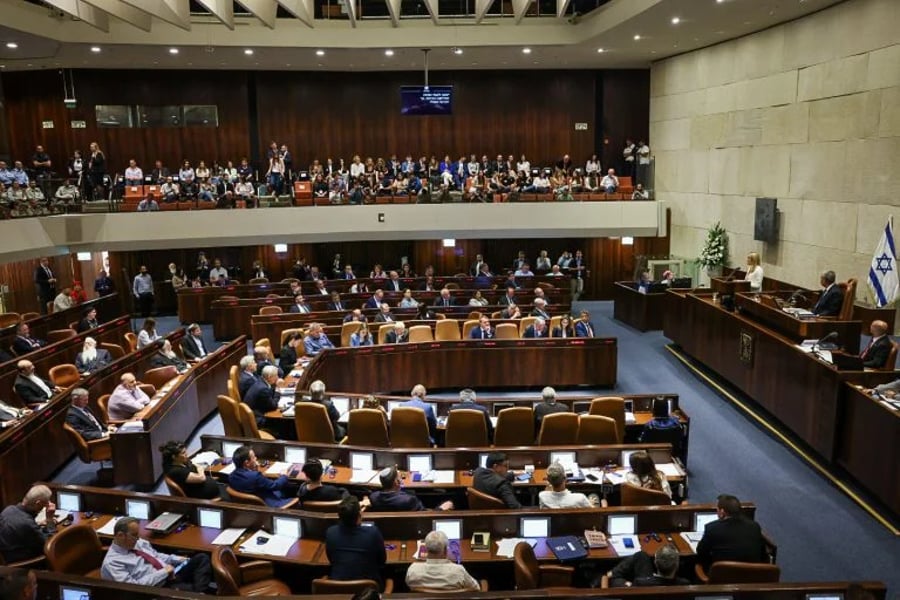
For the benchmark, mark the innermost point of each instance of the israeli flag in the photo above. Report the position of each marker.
(883, 273)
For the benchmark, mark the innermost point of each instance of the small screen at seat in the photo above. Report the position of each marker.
(535, 527)
(228, 448)
(420, 463)
(626, 454)
(209, 517)
(69, 501)
(341, 404)
(286, 527)
(294, 455)
(622, 524)
(566, 459)
(391, 405)
(452, 528)
(482, 460)
(73, 593)
(702, 518)
(139, 509)
(362, 461)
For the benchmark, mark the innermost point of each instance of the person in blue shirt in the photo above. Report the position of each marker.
(362, 337)
(246, 478)
(418, 394)
(316, 340)
(354, 551)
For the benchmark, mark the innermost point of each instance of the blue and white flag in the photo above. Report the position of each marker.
(883, 273)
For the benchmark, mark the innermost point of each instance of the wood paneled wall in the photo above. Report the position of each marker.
(19, 278)
(331, 114)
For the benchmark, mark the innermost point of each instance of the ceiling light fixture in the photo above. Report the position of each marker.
(601, 50)
(676, 20)
(320, 53)
(12, 45)
(173, 50)
(457, 51)
(526, 50)
(95, 49)
(389, 52)
(637, 37)
(248, 51)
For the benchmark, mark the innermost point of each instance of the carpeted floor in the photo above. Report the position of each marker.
(821, 534)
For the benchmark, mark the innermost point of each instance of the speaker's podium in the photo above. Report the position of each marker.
(728, 287)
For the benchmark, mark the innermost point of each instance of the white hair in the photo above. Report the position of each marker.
(436, 543)
(269, 370)
(89, 350)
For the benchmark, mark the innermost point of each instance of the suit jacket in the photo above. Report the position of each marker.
(581, 329)
(876, 355)
(22, 346)
(488, 482)
(161, 360)
(45, 289)
(391, 337)
(543, 409)
(254, 482)
(261, 398)
(355, 552)
(483, 281)
(384, 318)
(478, 333)
(541, 313)
(245, 382)
(86, 428)
(337, 306)
(830, 302)
(295, 308)
(190, 348)
(735, 538)
(439, 301)
(558, 332)
(29, 392)
(372, 303)
(531, 332)
(506, 300)
(102, 359)
(393, 286)
(429, 413)
(479, 407)
(87, 325)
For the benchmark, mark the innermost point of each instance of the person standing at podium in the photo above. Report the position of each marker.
(754, 272)
(831, 299)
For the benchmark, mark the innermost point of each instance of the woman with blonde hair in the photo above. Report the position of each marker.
(754, 272)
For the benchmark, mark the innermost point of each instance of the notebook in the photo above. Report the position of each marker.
(567, 547)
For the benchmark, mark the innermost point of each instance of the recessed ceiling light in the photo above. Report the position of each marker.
(637, 37)
(320, 53)
(676, 20)
(601, 50)
(457, 51)
(173, 50)
(248, 51)
(95, 49)
(389, 52)
(526, 50)
(12, 45)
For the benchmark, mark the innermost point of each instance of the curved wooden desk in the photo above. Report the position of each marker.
(468, 363)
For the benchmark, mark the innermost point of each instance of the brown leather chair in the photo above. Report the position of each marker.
(174, 488)
(88, 451)
(891, 359)
(420, 333)
(160, 376)
(633, 495)
(230, 418)
(253, 499)
(248, 424)
(273, 296)
(729, 572)
(64, 375)
(252, 578)
(383, 330)
(474, 316)
(368, 427)
(234, 380)
(9, 319)
(554, 323)
(30, 315)
(612, 407)
(103, 405)
(285, 333)
(58, 335)
(594, 429)
(446, 330)
(481, 501)
(256, 280)
(515, 427)
(270, 310)
(324, 585)
(264, 342)
(466, 429)
(506, 331)
(532, 576)
(849, 290)
(558, 429)
(330, 506)
(348, 329)
(409, 429)
(131, 340)
(312, 423)
(75, 550)
(115, 350)
(468, 326)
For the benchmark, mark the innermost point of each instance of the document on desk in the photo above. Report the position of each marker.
(616, 477)
(227, 469)
(263, 542)
(507, 546)
(440, 476)
(618, 544)
(108, 528)
(205, 458)
(362, 475)
(278, 468)
(229, 536)
(669, 469)
(692, 538)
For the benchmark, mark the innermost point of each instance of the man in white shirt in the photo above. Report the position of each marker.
(643, 162)
(133, 174)
(640, 193)
(610, 183)
(67, 193)
(217, 271)
(558, 496)
(437, 572)
(628, 154)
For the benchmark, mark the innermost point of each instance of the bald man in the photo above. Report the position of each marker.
(875, 355)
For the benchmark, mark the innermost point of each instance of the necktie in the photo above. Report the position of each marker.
(90, 416)
(49, 274)
(149, 558)
(866, 351)
(590, 331)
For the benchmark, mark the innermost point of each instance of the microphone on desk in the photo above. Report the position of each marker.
(825, 339)
(797, 295)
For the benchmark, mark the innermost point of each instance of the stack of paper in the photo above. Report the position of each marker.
(108, 528)
(228, 536)
(362, 475)
(669, 469)
(227, 469)
(692, 538)
(205, 458)
(616, 477)
(440, 476)
(130, 427)
(618, 544)
(278, 468)
(262, 542)
(507, 546)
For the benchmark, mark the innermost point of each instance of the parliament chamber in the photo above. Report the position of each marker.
(371, 305)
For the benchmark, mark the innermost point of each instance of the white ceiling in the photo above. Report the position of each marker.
(51, 39)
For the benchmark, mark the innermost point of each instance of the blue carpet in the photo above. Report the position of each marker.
(821, 534)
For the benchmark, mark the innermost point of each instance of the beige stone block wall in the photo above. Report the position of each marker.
(807, 112)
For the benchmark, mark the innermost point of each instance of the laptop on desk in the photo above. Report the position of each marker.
(847, 362)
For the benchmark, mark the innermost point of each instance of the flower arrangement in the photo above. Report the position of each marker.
(715, 250)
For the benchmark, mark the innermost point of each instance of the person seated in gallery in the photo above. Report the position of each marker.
(610, 183)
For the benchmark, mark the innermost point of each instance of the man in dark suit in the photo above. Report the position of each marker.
(82, 420)
(467, 400)
(398, 335)
(89, 321)
(732, 537)
(246, 478)
(392, 498)
(538, 330)
(511, 312)
(642, 570)
(393, 283)
(355, 315)
(354, 551)
(508, 298)
(262, 395)
(494, 479)
(484, 278)
(444, 299)
(192, 344)
(540, 309)
(300, 306)
(24, 343)
(336, 303)
(583, 326)
(376, 300)
(44, 283)
(875, 355)
(484, 331)
(831, 299)
(30, 388)
(385, 315)
(248, 375)
(548, 406)
(477, 266)
(91, 359)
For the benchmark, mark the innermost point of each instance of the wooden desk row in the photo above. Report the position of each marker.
(644, 312)
(194, 303)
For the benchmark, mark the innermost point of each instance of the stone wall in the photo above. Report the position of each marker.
(807, 112)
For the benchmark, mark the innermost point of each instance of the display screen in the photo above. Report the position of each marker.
(426, 100)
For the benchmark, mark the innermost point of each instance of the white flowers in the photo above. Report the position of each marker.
(715, 251)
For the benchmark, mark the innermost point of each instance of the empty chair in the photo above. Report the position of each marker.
(75, 550)
(312, 423)
(446, 329)
(131, 340)
(474, 316)
(466, 428)
(481, 501)
(506, 331)
(409, 429)
(468, 326)
(252, 578)
(633, 495)
(324, 585)
(532, 576)
(558, 429)
(234, 380)
(115, 350)
(270, 310)
(525, 323)
(64, 375)
(228, 411)
(612, 407)
(325, 506)
(249, 427)
(729, 572)
(58, 335)
(160, 376)
(367, 427)
(103, 405)
(420, 333)
(9, 319)
(515, 427)
(594, 429)
(30, 315)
